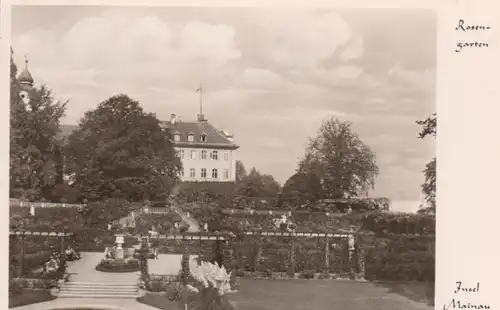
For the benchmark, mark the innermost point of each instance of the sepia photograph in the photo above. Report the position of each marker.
(222, 158)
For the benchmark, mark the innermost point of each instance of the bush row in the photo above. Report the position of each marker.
(376, 222)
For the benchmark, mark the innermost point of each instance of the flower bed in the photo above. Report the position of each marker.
(28, 296)
(259, 275)
(117, 265)
(29, 283)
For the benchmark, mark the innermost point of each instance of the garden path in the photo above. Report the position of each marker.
(167, 264)
(83, 270)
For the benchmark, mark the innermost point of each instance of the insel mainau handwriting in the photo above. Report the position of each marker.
(459, 304)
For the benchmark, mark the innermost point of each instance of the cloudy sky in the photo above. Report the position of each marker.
(270, 76)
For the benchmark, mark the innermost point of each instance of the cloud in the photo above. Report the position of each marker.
(257, 78)
(354, 50)
(301, 38)
(212, 42)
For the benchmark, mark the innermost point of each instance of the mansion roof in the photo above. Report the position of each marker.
(203, 134)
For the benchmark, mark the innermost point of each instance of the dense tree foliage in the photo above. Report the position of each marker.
(119, 150)
(256, 184)
(34, 144)
(302, 188)
(429, 128)
(343, 162)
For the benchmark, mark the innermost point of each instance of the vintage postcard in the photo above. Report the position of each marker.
(247, 156)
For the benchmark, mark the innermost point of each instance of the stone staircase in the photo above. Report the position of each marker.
(98, 290)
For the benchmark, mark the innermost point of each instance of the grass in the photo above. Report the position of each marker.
(158, 301)
(28, 297)
(316, 294)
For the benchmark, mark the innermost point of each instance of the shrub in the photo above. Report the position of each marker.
(158, 283)
(115, 265)
(41, 284)
(15, 288)
(309, 274)
(174, 290)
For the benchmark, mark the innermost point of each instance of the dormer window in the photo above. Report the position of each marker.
(177, 137)
(203, 137)
(190, 137)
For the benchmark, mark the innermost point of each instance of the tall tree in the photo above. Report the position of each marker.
(429, 128)
(241, 172)
(343, 162)
(34, 126)
(119, 150)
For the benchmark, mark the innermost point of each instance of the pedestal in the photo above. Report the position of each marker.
(119, 253)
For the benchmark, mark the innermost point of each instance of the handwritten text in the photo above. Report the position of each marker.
(463, 27)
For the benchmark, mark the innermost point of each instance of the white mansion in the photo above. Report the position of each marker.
(207, 154)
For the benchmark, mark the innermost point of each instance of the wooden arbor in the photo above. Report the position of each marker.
(20, 236)
(355, 253)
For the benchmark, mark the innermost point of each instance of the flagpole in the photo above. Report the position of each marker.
(201, 99)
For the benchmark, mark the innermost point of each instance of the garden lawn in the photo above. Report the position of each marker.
(314, 294)
(28, 297)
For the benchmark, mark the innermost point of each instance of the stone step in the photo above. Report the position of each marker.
(98, 289)
(96, 295)
(124, 284)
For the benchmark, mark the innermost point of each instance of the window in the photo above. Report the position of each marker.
(181, 153)
(214, 155)
(193, 154)
(226, 174)
(203, 154)
(226, 156)
(192, 173)
(203, 172)
(203, 137)
(190, 137)
(214, 174)
(177, 137)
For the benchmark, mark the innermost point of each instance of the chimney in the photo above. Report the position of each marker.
(172, 119)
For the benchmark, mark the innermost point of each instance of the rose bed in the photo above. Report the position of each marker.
(116, 265)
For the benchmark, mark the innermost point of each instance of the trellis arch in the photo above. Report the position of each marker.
(20, 236)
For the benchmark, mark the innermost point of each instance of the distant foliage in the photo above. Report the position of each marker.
(65, 193)
(241, 172)
(256, 184)
(429, 128)
(206, 192)
(345, 164)
(119, 150)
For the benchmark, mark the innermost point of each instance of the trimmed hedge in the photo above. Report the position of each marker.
(401, 258)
